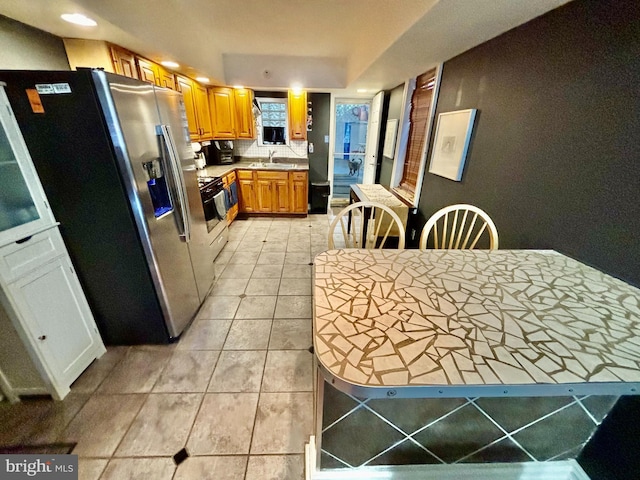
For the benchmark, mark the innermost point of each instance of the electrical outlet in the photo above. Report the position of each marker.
(413, 234)
(310, 147)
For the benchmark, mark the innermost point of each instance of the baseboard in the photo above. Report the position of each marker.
(558, 470)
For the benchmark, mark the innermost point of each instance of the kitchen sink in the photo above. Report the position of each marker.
(273, 166)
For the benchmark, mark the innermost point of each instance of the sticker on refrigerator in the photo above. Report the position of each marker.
(61, 88)
(44, 88)
(52, 88)
(34, 100)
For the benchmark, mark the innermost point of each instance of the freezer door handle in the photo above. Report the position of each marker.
(178, 180)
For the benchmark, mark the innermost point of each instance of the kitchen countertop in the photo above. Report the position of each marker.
(244, 164)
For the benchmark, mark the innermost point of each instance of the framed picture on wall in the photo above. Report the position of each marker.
(390, 138)
(453, 133)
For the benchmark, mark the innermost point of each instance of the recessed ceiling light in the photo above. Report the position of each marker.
(170, 64)
(78, 19)
(203, 79)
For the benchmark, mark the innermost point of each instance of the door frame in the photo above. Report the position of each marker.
(340, 98)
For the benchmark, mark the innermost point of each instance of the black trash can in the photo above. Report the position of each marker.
(319, 193)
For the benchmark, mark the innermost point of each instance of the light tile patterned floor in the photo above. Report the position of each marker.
(236, 390)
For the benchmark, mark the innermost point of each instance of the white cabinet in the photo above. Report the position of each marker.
(42, 304)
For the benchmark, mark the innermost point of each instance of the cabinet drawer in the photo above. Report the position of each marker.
(298, 175)
(245, 174)
(231, 177)
(17, 259)
(270, 175)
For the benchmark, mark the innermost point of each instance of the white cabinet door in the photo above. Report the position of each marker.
(57, 321)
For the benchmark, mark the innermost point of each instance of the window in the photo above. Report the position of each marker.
(274, 121)
(420, 117)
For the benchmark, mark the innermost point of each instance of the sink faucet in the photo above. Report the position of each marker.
(271, 154)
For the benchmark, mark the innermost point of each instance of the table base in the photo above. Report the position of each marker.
(354, 432)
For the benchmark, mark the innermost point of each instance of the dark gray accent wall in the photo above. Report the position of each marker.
(393, 109)
(555, 155)
(319, 159)
(27, 48)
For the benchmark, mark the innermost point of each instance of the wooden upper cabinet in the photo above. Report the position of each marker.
(167, 79)
(124, 62)
(153, 73)
(148, 70)
(197, 108)
(297, 115)
(245, 125)
(203, 112)
(222, 105)
(185, 85)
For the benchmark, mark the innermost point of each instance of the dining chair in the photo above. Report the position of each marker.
(454, 226)
(368, 225)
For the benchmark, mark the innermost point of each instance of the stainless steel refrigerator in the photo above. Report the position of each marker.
(115, 160)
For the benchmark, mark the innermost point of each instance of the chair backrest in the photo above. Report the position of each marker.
(367, 225)
(459, 227)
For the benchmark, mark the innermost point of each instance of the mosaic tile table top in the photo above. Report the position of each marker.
(439, 323)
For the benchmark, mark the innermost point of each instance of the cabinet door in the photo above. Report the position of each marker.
(57, 320)
(244, 113)
(299, 192)
(24, 208)
(247, 198)
(264, 196)
(167, 79)
(186, 87)
(203, 112)
(297, 115)
(148, 71)
(124, 62)
(280, 189)
(222, 105)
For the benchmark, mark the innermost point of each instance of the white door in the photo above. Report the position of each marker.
(351, 120)
(373, 135)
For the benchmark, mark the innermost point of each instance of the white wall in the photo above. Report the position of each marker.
(27, 48)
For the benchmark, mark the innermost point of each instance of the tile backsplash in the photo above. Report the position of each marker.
(253, 149)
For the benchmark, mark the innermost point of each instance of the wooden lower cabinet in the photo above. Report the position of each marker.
(268, 191)
(272, 191)
(299, 202)
(246, 191)
(227, 181)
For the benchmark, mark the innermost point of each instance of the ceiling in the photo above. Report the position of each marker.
(273, 44)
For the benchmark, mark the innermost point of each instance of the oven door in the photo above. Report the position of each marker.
(214, 210)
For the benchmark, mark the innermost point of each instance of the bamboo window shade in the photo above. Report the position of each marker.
(419, 120)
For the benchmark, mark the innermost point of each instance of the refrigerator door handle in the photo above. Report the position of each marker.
(176, 173)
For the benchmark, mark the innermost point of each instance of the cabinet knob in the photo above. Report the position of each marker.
(42, 337)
